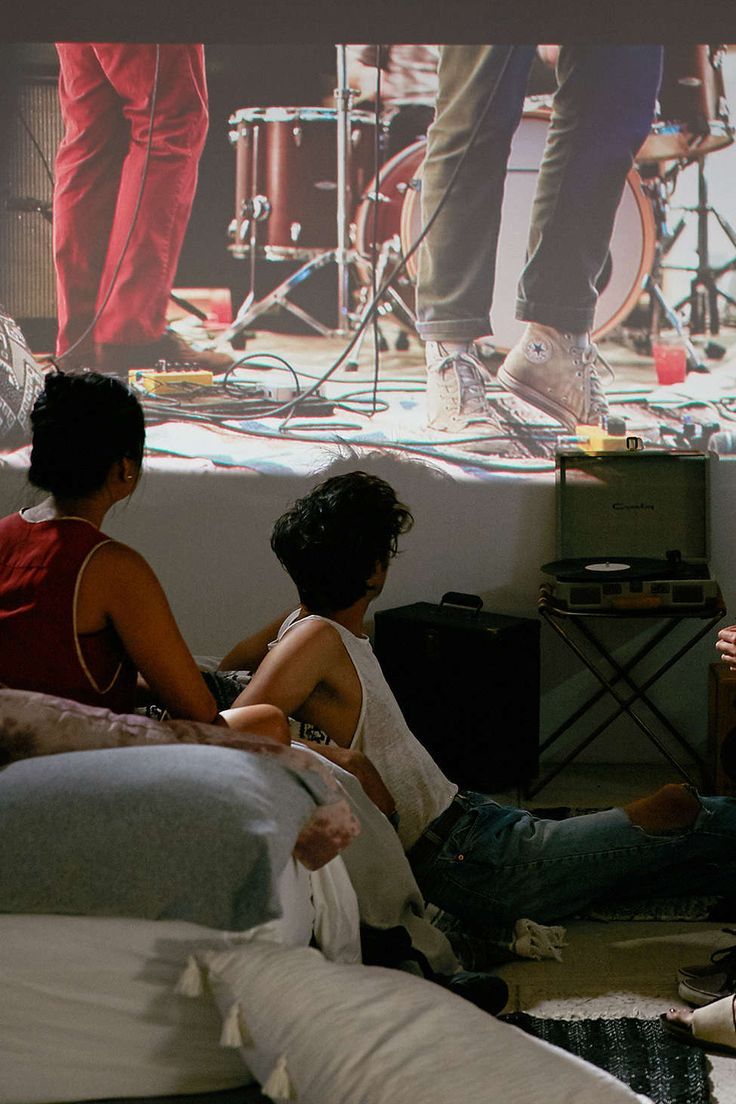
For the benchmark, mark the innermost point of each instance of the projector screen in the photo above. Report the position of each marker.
(299, 261)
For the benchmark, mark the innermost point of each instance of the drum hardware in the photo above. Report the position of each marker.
(286, 210)
(657, 186)
(704, 294)
(389, 254)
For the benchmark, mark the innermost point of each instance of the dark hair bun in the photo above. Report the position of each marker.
(81, 424)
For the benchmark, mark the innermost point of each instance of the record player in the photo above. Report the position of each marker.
(632, 531)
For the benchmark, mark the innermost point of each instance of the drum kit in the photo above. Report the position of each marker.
(306, 191)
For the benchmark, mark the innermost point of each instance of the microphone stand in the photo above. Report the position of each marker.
(343, 102)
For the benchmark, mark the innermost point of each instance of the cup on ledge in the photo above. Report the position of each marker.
(670, 360)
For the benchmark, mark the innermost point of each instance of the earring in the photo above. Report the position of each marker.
(128, 478)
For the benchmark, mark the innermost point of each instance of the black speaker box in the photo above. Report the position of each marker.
(467, 682)
(722, 728)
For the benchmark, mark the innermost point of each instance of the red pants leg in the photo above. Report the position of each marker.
(87, 177)
(134, 312)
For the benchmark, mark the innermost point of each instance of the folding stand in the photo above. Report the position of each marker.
(574, 628)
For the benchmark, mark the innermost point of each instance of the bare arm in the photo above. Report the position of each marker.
(290, 674)
(252, 650)
(121, 584)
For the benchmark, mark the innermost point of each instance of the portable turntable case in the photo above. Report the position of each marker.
(632, 524)
(467, 682)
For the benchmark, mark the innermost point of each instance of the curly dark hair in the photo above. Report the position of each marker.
(81, 424)
(331, 541)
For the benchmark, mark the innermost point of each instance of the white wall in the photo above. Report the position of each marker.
(207, 535)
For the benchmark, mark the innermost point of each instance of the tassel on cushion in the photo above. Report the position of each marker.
(279, 1085)
(190, 984)
(234, 1032)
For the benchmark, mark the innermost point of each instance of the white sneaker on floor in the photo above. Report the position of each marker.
(457, 404)
(556, 372)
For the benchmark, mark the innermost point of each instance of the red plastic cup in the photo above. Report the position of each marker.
(670, 362)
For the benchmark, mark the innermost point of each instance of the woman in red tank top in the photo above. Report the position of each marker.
(80, 614)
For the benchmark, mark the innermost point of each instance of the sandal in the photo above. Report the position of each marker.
(712, 1028)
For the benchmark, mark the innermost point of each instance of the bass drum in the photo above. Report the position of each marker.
(632, 244)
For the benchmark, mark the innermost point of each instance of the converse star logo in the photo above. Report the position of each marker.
(537, 351)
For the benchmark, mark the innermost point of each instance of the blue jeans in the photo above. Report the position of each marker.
(601, 114)
(499, 864)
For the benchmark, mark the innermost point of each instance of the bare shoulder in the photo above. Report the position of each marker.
(314, 645)
(313, 633)
(120, 563)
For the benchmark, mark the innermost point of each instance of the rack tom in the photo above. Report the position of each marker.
(286, 178)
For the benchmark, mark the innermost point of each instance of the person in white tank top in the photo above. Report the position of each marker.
(322, 664)
(480, 861)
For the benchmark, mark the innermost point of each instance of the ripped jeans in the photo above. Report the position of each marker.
(500, 863)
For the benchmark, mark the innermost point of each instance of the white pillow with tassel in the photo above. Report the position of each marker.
(318, 1032)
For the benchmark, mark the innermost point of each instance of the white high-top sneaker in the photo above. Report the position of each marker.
(556, 372)
(457, 404)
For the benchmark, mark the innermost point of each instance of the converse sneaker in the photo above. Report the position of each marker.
(556, 372)
(457, 404)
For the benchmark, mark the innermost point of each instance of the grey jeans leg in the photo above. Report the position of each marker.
(601, 114)
(457, 258)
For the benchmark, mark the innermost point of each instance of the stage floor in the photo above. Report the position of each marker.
(260, 419)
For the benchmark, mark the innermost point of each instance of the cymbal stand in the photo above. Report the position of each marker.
(343, 101)
(704, 290)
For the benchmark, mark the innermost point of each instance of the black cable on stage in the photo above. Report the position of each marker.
(136, 210)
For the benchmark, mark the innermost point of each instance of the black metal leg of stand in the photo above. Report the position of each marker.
(650, 644)
(625, 704)
(640, 691)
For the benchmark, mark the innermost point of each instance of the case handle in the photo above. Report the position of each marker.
(466, 601)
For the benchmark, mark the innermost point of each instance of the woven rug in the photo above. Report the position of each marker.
(638, 1052)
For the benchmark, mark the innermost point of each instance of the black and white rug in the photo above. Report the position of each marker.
(638, 1052)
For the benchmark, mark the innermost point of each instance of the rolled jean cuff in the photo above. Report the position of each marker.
(466, 329)
(564, 319)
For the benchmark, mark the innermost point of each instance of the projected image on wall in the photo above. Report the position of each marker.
(470, 255)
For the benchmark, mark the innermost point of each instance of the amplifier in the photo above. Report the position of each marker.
(27, 276)
(467, 682)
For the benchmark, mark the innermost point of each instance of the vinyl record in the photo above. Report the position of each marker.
(598, 569)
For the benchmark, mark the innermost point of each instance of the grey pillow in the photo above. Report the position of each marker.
(185, 832)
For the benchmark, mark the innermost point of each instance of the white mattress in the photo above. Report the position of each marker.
(88, 1008)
